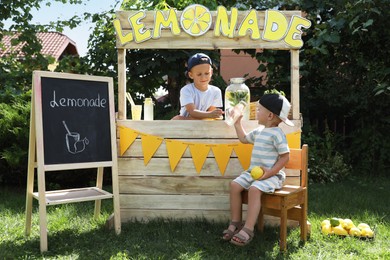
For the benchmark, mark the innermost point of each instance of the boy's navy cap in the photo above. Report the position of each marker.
(199, 58)
(278, 105)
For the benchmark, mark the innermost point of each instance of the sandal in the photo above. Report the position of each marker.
(228, 234)
(240, 240)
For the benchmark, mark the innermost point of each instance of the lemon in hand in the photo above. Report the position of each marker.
(256, 172)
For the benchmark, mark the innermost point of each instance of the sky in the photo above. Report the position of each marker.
(65, 11)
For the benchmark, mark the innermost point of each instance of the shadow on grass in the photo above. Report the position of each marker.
(352, 197)
(160, 239)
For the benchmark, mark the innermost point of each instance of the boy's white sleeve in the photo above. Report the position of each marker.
(186, 97)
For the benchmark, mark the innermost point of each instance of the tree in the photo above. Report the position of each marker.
(15, 82)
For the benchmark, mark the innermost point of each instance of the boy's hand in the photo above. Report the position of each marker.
(238, 121)
(216, 113)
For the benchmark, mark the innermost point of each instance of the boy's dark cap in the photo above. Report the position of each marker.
(278, 105)
(199, 58)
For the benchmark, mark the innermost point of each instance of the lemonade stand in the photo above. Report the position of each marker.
(182, 169)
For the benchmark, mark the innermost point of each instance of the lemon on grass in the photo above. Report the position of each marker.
(363, 225)
(355, 232)
(347, 224)
(196, 20)
(367, 232)
(256, 172)
(326, 229)
(339, 230)
(325, 222)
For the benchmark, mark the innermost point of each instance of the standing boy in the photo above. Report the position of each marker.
(199, 100)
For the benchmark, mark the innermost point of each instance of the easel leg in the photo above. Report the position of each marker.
(42, 209)
(29, 199)
(99, 184)
(30, 171)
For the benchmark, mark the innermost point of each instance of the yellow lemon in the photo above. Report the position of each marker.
(326, 229)
(363, 225)
(325, 222)
(355, 232)
(347, 224)
(256, 172)
(367, 232)
(196, 20)
(339, 230)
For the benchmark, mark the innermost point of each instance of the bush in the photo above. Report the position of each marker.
(326, 164)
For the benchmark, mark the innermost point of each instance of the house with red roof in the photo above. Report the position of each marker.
(54, 44)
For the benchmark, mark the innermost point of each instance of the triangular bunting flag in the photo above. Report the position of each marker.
(244, 152)
(175, 150)
(126, 138)
(222, 154)
(294, 140)
(199, 154)
(150, 144)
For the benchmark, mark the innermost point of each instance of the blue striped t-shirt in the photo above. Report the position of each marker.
(268, 144)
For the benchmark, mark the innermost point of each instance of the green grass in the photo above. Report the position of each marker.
(74, 234)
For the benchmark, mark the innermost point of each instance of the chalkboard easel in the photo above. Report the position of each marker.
(72, 126)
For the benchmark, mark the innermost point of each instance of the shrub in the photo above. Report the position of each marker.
(326, 164)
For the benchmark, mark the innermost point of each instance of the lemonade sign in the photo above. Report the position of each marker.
(196, 20)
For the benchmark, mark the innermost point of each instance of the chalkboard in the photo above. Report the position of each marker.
(76, 121)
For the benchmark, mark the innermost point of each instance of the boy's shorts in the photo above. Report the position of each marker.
(268, 185)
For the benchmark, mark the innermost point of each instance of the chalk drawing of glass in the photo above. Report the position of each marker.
(73, 142)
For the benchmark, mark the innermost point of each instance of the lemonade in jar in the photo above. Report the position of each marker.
(236, 94)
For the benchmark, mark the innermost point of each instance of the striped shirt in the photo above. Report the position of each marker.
(268, 144)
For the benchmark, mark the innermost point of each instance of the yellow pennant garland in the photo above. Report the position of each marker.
(199, 154)
(127, 137)
(150, 144)
(222, 154)
(175, 150)
(199, 151)
(244, 152)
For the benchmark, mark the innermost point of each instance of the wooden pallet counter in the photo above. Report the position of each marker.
(154, 190)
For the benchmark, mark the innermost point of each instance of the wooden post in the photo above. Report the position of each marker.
(122, 84)
(295, 84)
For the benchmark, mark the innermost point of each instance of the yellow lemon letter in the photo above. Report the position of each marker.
(251, 23)
(122, 38)
(140, 33)
(293, 37)
(170, 22)
(275, 27)
(222, 22)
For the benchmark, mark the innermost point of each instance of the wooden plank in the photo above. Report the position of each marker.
(160, 166)
(295, 84)
(295, 161)
(205, 129)
(175, 185)
(180, 185)
(122, 111)
(184, 202)
(74, 195)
